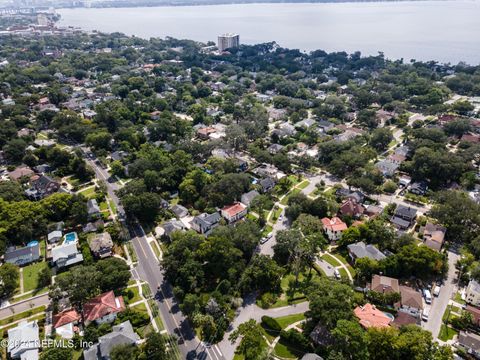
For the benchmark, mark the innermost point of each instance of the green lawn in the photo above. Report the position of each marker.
(284, 201)
(43, 248)
(446, 333)
(266, 230)
(275, 214)
(89, 192)
(139, 307)
(286, 351)
(343, 273)
(22, 315)
(30, 275)
(458, 298)
(112, 205)
(329, 259)
(103, 206)
(136, 295)
(284, 321)
(303, 184)
(131, 251)
(155, 248)
(156, 314)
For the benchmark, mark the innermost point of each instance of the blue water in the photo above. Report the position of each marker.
(32, 243)
(389, 315)
(70, 237)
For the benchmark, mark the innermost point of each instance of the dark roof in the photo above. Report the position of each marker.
(469, 340)
(207, 219)
(405, 212)
(360, 250)
(395, 220)
(267, 182)
(32, 251)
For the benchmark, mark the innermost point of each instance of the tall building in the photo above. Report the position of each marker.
(228, 41)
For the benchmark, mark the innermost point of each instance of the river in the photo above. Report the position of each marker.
(444, 31)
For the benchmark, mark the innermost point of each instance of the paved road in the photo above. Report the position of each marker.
(440, 303)
(40, 300)
(251, 311)
(148, 269)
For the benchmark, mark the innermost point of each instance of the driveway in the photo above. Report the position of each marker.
(326, 267)
(439, 304)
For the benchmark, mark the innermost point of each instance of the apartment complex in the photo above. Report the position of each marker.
(228, 41)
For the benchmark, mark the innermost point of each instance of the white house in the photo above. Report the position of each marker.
(472, 294)
(24, 341)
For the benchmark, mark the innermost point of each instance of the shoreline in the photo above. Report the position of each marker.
(253, 2)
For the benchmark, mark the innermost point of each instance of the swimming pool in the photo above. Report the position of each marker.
(71, 237)
(32, 243)
(389, 315)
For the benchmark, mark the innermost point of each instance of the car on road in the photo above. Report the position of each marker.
(436, 291)
(263, 240)
(425, 314)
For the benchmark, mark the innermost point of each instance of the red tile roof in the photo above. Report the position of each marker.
(334, 224)
(369, 316)
(65, 317)
(102, 305)
(234, 209)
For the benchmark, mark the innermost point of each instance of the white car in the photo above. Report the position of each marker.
(425, 314)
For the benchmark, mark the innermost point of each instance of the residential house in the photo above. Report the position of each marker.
(433, 235)
(311, 356)
(475, 311)
(103, 308)
(247, 198)
(334, 228)
(234, 212)
(305, 124)
(396, 158)
(65, 323)
(369, 316)
(351, 208)
(384, 284)
(267, 184)
(404, 319)
(470, 342)
(418, 188)
(359, 251)
(325, 125)
(42, 187)
(205, 223)
(372, 211)
(387, 167)
(101, 245)
(411, 301)
(275, 148)
(93, 209)
(24, 255)
(20, 172)
(403, 217)
(93, 226)
(173, 225)
(404, 181)
(122, 334)
(179, 211)
(54, 236)
(472, 293)
(24, 341)
(66, 255)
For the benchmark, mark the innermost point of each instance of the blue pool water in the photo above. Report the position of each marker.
(70, 237)
(32, 243)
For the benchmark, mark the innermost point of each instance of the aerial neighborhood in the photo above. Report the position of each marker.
(153, 192)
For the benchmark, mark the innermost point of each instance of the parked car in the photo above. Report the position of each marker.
(428, 296)
(336, 273)
(425, 314)
(436, 291)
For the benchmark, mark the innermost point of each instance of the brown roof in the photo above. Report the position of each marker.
(434, 236)
(102, 305)
(334, 224)
(351, 208)
(20, 172)
(234, 209)
(65, 317)
(369, 316)
(475, 313)
(403, 319)
(384, 284)
(411, 297)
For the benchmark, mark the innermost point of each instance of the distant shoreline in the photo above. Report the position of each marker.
(235, 2)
